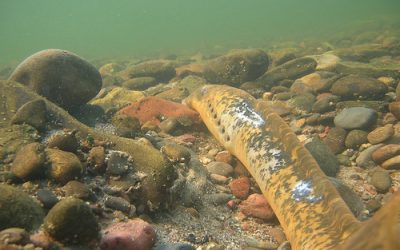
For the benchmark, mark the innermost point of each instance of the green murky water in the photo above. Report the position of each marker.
(126, 28)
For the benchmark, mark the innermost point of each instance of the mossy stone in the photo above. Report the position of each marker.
(65, 166)
(29, 162)
(71, 221)
(18, 209)
(32, 113)
(65, 141)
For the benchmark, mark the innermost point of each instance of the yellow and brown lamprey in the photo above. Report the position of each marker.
(307, 205)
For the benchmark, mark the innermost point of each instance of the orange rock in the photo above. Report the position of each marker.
(154, 109)
(257, 206)
(240, 187)
(385, 153)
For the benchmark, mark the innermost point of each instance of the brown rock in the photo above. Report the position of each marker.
(96, 159)
(65, 141)
(380, 134)
(355, 138)
(139, 83)
(220, 168)
(386, 152)
(392, 163)
(218, 179)
(224, 156)
(154, 108)
(65, 166)
(359, 87)
(29, 162)
(335, 139)
(59, 75)
(32, 113)
(161, 70)
(76, 189)
(240, 187)
(381, 180)
(257, 206)
(394, 108)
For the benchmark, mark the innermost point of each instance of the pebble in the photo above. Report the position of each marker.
(176, 153)
(174, 246)
(394, 108)
(355, 138)
(381, 134)
(356, 118)
(29, 162)
(218, 179)
(220, 168)
(71, 221)
(385, 152)
(359, 87)
(139, 83)
(373, 205)
(47, 198)
(18, 209)
(126, 126)
(97, 160)
(381, 180)
(134, 234)
(77, 189)
(392, 163)
(13, 235)
(224, 156)
(65, 166)
(168, 125)
(364, 159)
(32, 113)
(257, 206)
(118, 203)
(240, 187)
(335, 139)
(220, 198)
(65, 141)
(160, 70)
(324, 157)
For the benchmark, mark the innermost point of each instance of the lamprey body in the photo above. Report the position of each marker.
(307, 205)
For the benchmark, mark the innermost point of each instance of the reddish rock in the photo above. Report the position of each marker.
(154, 108)
(386, 152)
(381, 134)
(224, 156)
(257, 206)
(132, 235)
(392, 163)
(240, 187)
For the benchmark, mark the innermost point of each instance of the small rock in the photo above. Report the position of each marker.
(131, 235)
(220, 168)
(118, 163)
(160, 70)
(96, 159)
(71, 221)
(125, 125)
(394, 108)
(359, 87)
(237, 67)
(385, 152)
(139, 83)
(303, 102)
(218, 179)
(156, 109)
(355, 138)
(257, 206)
(32, 113)
(240, 187)
(75, 83)
(18, 209)
(13, 235)
(65, 141)
(47, 198)
(64, 166)
(313, 83)
(381, 134)
(224, 156)
(324, 157)
(335, 139)
(174, 246)
(373, 205)
(76, 189)
(175, 94)
(219, 198)
(392, 163)
(29, 162)
(176, 153)
(364, 159)
(117, 97)
(117, 203)
(325, 104)
(356, 118)
(381, 180)
(168, 125)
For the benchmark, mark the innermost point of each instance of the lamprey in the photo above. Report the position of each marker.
(307, 205)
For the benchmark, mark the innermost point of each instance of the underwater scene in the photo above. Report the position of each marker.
(204, 125)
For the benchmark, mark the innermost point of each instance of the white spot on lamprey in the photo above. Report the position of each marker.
(246, 114)
(303, 191)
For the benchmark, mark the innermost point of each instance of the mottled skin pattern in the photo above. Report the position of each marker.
(307, 205)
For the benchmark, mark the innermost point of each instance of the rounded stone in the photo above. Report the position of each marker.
(125, 125)
(257, 206)
(356, 87)
(176, 153)
(327, 161)
(59, 75)
(392, 163)
(47, 198)
(224, 156)
(76, 189)
(381, 134)
(97, 160)
(65, 166)
(65, 141)
(355, 138)
(18, 209)
(364, 159)
(139, 83)
(381, 180)
(335, 139)
(71, 221)
(394, 108)
(240, 187)
(32, 113)
(29, 162)
(131, 235)
(160, 70)
(356, 118)
(386, 152)
(220, 168)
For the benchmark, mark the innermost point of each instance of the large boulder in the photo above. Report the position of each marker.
(237, 67)
(59, 75)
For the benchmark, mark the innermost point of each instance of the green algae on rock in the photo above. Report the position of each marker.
(29, 162)
(72, 221)
(18, 209)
